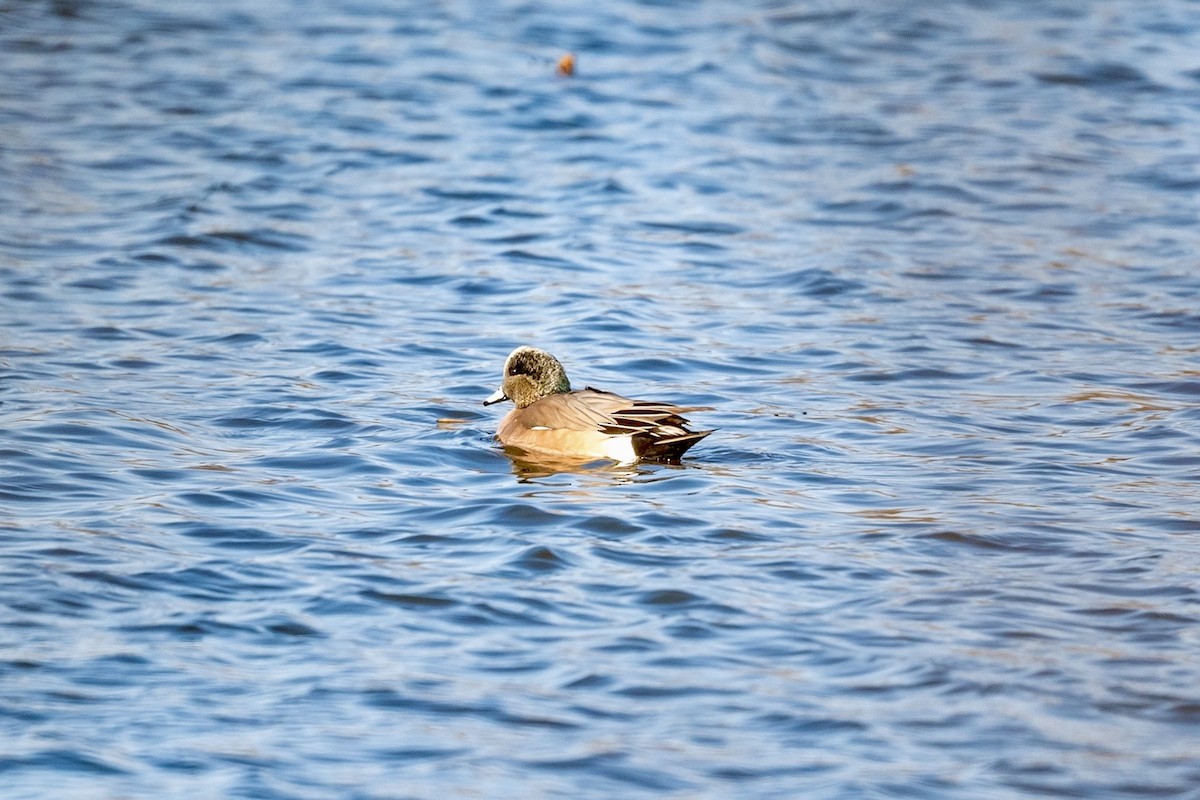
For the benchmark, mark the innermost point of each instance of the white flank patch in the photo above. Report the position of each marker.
(620, 448)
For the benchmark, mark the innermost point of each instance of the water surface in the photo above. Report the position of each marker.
(935, 268)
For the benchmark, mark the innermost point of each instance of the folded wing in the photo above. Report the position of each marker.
(659, 432)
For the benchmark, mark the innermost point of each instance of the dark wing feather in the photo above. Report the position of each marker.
(659, 430)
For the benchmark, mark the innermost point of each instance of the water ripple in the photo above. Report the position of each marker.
(934, 272)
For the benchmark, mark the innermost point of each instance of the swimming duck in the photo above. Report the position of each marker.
(551, 419)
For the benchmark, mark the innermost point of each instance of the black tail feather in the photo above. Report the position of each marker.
(652, 448)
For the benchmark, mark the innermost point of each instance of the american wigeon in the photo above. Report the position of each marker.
(553, 420)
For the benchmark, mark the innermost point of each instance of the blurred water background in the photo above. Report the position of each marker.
(934, 264)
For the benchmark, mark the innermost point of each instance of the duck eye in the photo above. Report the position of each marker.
(520, 366)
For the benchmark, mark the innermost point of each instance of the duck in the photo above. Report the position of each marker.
(551, 419)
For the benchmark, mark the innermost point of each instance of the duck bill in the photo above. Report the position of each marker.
(497, 397)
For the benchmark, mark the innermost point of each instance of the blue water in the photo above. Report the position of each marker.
(934, 265)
